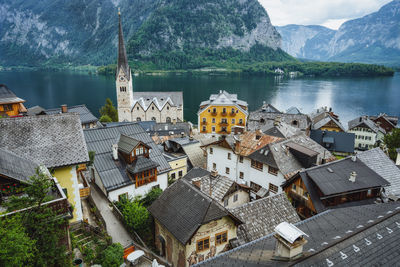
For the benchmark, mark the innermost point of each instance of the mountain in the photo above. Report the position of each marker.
(34, 32)
(374, 38)
(308, 42)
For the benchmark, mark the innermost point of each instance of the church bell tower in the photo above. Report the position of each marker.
(123, 80)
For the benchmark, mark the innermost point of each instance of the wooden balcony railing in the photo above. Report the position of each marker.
(214, 113)
(145, 180)
(203, 123)
(232, 114)
(223, 123)
(84, 192)
(224, 113)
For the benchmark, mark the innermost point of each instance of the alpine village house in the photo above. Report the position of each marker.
(222, 113)
(10, 104)
(143, 106)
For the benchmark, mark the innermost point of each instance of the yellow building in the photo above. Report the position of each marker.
(221, 113)
(178, 165)
(10, 104)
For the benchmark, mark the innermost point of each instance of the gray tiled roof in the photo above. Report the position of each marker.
(260, 217)
(364, 121)
(35, 110)
(329, 233)
(158, 98)
(224, 98)
(192, 148)
(182, 209)
(84, 113)
(195, 173)
(141, 164)
(333, 178)
(342, 141)
(293, 110)
(16, 167)
(126, 144)
(220, 186)
(382, 165)
(52, 140)
(101, 140)
(7, 96)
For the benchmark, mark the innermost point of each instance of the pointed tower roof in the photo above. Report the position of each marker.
(122, 58)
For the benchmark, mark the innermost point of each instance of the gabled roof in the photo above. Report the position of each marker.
(326, 120)
(182, 209)
(159, 99)
(333, 178)
(126, 144)
(269, 108)
(195, 173)
(341, 141)
(141, 164)
(51, 140)
(84, 113)
(224, 98)
(191, 147)
(260, 217)
(293, 110)
(282, 130)
(16, 167)
(355, 236)
(365, 122)
(264, 155)
(7, 96)
(113, 173)
(377, 160)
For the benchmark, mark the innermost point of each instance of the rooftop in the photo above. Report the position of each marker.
(112, 173)
(334, 141)
(51, 140)
(340, 237)
(7, 96)
(160, 99)
(16, 167)
(182, 209)
(84, 113)
(364, 121)
(260, 217)
(224, 98)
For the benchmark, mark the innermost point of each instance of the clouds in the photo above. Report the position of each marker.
(330, 13)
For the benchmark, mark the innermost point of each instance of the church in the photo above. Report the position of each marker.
(143, 106)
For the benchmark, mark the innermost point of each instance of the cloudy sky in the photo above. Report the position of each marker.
(329, 13)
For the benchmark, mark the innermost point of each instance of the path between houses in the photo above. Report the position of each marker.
(115, 228)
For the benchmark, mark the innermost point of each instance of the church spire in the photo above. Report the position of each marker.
(122, 58)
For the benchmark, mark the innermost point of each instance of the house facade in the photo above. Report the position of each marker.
(10, 104)
(221, 113)
(142, 106)
(191, 227)
(127, 162)
(325, 120)
(367, 133)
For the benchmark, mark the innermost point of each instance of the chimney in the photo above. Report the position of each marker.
(115, 151)
(197, 182)
(64, 108)
(354, 158)
(289, 242)
(353, 176)
(213, 174)
(191, 138)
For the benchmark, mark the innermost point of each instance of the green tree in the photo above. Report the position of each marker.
(152, 195)
(16, 248)
(105, 118)
(109, 110)
(392, 142)
(112, 256)
(135, 215)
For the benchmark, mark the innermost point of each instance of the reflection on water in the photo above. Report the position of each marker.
(349, 97)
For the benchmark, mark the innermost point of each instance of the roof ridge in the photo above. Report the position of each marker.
(258, 200)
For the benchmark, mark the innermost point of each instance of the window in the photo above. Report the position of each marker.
(369, 192)
(180, 174)
(137, 151)
(168, 108)
(235, 198)
(168, 119)
(229, 156)
(213, 120)
(204, 128)
(138, 119)
(240, 121)
(203, 244)
(137, 108)
(221, 238)
(123, 196)
(209, 111)
(141, 150)
(233, 121)
(122, 89)
(214, 166)
(214, 110)
(213, 129)
(255, 186)
(272, 170)
(295, 123)
(233, 110)
(152, 108)
(173, 176)
(241, 159)
(256, 165)
(223, 110)
(211, 150)
(226, 202)
(204, 120)
(227, 170)
(153, 118)
(241, 175)
(273, 188)
(293, 187)
(224, 120)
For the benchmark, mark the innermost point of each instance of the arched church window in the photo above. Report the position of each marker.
(168, 119)
(153, 118)
(138, 119)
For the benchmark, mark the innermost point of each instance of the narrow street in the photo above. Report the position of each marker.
(114, 227)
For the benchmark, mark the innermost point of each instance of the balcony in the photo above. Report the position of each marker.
(224, 113)
(203, 123)
(214, 113)
(145, 180)
(223, 123)
(232, 113)
(84, 188)
(240, 124)
(223, 131)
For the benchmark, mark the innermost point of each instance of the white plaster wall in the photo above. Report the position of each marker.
(262, 178)
(398, 159)
(220, 157)
(364, 142)
(162, 180)
(243, 197)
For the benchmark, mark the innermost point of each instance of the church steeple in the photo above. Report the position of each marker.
(122, 58)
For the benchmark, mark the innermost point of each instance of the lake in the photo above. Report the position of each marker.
(349, 97)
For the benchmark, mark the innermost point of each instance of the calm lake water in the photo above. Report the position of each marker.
(349, 97)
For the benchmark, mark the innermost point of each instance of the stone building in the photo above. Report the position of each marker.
(143, 106)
